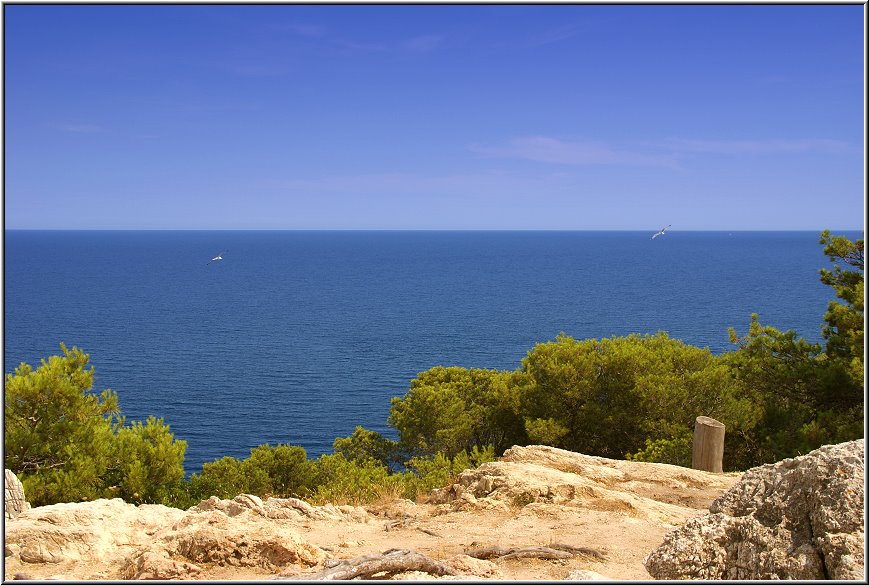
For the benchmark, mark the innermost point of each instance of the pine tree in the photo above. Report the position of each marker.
(67, 443)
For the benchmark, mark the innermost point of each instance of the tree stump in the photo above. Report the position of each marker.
(708, 448)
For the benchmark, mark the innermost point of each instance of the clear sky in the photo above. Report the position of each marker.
(434, 117)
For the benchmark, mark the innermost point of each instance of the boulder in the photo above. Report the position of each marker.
(239, 504)
(86, 531)
(800, 518)
(14, 501)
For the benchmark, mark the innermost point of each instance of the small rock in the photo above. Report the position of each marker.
(586, 575)
(467, 565)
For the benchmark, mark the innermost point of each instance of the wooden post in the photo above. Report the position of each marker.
(708, 448)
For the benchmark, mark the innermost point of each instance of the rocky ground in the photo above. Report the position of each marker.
(537, 514)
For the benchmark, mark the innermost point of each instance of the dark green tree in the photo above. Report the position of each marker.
(451, 410)
(621, 395)
(844, 328)
(364, 445)
(804, 399)
(148, 462)
(808, 395)
(67, 443)
(270, 471)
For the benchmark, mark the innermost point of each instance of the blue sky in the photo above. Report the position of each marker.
(434, 117)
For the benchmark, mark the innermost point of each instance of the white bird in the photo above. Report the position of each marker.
(218, 257)
(661, 233)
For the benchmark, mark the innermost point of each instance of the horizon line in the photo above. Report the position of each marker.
(218, 229)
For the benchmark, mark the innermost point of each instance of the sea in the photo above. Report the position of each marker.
(299, 336)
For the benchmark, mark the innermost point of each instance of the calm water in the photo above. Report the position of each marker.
(300, 336)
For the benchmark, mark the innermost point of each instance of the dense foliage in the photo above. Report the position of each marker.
(844, 328)
(68, 444)
(635, 397)
(285, 471)
(805, 395)
(451, 410)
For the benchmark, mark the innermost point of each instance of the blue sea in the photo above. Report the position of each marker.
(297, 337)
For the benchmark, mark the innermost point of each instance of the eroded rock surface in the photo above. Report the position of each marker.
(14, 501)
(158, 542)
(535, 497)
(545, 475)
(800, 518)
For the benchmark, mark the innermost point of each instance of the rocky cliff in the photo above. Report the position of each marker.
(538, 513)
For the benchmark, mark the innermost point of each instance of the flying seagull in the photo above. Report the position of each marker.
(218, 257)
(661, 233)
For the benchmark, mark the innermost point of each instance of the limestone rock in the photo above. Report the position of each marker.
(282, 509)
(470, 567)
(546, 475)
(14, 501)
(157, 542)
(536, 495)
(586, 575)
(248, 540)
(239, 504)
(158, 565)
(109, 529)
(800, 518)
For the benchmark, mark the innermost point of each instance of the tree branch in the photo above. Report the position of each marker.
(379, 566)
(553, 551)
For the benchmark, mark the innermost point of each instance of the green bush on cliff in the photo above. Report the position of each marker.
(67, 444)
(270, 471)
(437, 471)
(283, 471)
(343, 481)
(149, 462)
(608, 397)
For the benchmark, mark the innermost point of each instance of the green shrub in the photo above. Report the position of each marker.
(270, 471)
(450, 410)
(675, 451)
(67, 444)
(340, 481)
(226, 478)
(289, 472)
(364, 445)
(428, 473)
(149, 461)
